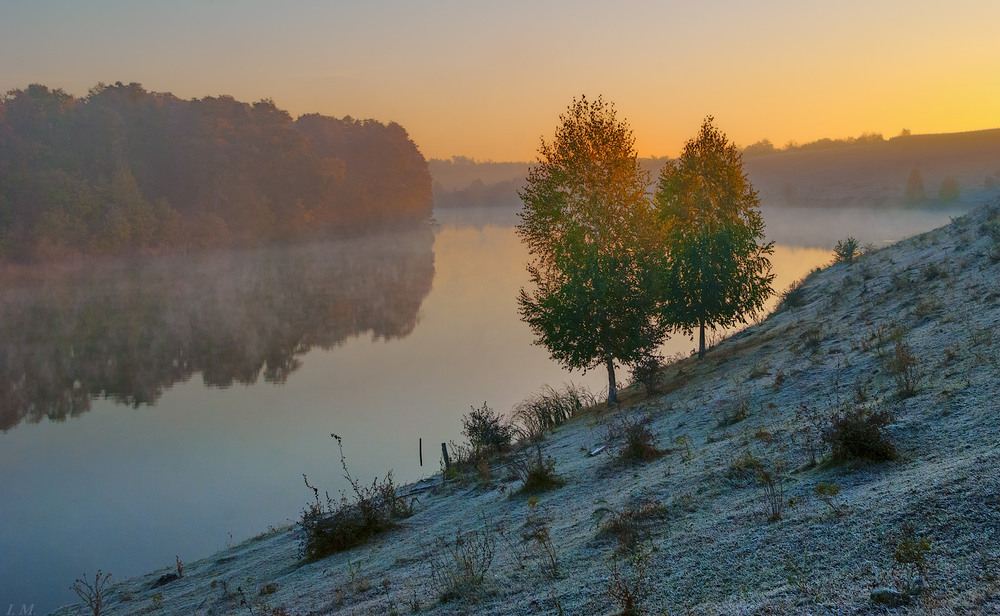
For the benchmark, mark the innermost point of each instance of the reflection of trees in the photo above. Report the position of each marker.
(127, 331)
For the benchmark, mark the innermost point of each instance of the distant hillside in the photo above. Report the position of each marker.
(124, 170)
(876, 173)
(956, 169)
(465, 182)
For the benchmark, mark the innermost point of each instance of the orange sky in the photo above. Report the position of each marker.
(487, 80)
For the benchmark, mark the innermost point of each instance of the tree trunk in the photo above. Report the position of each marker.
(612, 387)
(701, 340)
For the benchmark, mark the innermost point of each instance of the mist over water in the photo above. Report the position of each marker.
(171, 407)
(128, 330)
(822, 228)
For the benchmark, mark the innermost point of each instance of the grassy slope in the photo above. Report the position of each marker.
(715, 552)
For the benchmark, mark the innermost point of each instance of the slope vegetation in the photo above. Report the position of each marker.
(746, 511)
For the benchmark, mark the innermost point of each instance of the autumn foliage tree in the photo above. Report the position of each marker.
(588, 224)
(718, 272)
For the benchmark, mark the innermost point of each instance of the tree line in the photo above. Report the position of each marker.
(615, 269)
(123, 170)
(765, 147)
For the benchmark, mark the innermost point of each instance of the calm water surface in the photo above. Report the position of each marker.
(170, 408)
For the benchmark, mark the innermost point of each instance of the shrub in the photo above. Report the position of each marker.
(459, 461)
(337, 525)
(858, 433)
(95, 594)
(877, 340)
(793, 297)
(537, 473)
(771, 478)
(536, 529)
(460, 567)
(684, 441)
(846, 250)
(811, 339)
(628, 587)
(773, 483)
(933, 271)
(646, 372)
(902, 283)
(759, 369)
(926, 307)
(904, 367)
(486, 431)
(867, 271)
(910, 555)
(827, 492)
(549, 409)
(779, 379)
(912, 550)
(638, 444)
(734, 410)
(743, 470)
(629, 526)
(991, 229)
(809, 431)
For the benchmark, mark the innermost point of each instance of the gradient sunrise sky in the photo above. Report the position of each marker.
(489, 79)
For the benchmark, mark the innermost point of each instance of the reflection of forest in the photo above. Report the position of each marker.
(127, 331)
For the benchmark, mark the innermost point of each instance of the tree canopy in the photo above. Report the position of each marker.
(589, 227)
(123, 169)
(914, 192)
(718, 272)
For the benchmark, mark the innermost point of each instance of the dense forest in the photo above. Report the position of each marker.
(125, 170)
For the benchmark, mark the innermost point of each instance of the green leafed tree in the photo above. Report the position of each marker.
(719, 271)
(914, 192)
(589, 227)
(949, 190)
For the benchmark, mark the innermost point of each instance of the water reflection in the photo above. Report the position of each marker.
(126, 331)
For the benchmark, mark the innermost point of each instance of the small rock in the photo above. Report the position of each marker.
(165, 579)
(889, 597)
(916, 586)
